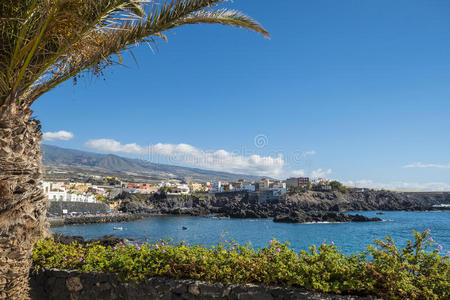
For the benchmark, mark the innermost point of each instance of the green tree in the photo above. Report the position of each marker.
(337, 186)
(42, 44)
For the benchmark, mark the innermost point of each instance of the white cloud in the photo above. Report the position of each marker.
(296, 173)
(319, 173)
(220, 160)
(401, 186)
(61, 135)
(422, 165)
(108, 145)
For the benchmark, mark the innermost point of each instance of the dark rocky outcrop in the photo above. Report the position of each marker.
(364, 200)
(245, 205)
(62, 284)
(107, 240)
(308, 217)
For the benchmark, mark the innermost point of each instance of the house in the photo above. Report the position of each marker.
(55, 191)
(75, 197)
(216, 187)
(249, 187)
(146, 189)
(297, 181)
(180, 189)
(228, 187)
(58, 191)
(96, 190)
(262, 185)
(145, 186)
(278, 185)
(196, 187)
(132, 186)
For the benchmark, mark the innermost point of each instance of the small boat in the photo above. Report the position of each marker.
(118, 228)
(184, 228)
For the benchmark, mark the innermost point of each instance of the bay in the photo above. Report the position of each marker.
(351, 237)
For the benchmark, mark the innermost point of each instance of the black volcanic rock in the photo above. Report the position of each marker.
(304, 207)
(107, 240)
(303, 217)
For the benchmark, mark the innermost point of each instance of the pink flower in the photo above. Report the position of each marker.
(81, 259)
(448, 252)
(430, 239)
(332, 243)
(232, 248)
(440, 247)
(162, 244)
(278, 249)
(163, 251)
(429, 230)
(203, 257)
(271, 241)
(115, 248)
(156, 246)
(64, 258)
(139, 248)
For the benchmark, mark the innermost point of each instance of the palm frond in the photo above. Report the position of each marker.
(224, 17)
(50, 41)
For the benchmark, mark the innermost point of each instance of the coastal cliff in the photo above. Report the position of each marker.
(366, 200)
(246, 205)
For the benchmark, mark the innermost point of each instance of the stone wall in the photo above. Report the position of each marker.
(60, 221)
(73, 285)
(58, 206)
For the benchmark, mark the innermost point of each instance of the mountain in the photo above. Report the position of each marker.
(109, 163)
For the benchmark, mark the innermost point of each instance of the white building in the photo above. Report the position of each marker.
(165, 184)
(216, 187)
(80, 197)
(279, 185)
(56, 191)
(182, 188)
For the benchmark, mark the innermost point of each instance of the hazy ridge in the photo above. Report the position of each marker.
(63, 157)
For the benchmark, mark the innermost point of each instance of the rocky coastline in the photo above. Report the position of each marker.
(329, 217)
(306, 207)
(310, 206)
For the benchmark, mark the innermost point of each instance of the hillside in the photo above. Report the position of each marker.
(109, 163)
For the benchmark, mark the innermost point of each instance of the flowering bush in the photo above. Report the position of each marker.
(414, 272)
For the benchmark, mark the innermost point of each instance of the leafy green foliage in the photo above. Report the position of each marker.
(337, 186)
(414, 272)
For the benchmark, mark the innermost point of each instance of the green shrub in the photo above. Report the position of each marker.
(383, 270)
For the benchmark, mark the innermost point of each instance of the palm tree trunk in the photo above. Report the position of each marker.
(22, 202)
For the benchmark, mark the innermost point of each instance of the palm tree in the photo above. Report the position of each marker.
(42, 44)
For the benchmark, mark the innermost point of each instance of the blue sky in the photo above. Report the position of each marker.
(351, 90)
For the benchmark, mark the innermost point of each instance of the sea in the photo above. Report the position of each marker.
(349, 237)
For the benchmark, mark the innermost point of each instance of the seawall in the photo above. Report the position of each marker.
(63, 284)
(60, 221)
(79, 207)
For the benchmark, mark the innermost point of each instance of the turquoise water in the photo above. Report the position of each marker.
(351, 237)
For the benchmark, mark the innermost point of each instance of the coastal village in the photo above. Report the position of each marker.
(100, 189)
